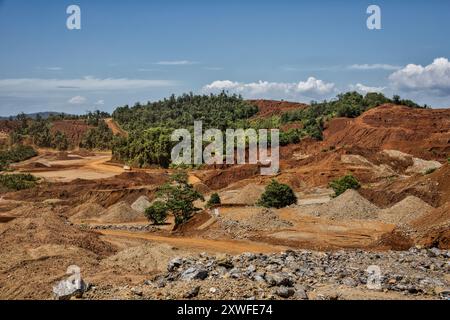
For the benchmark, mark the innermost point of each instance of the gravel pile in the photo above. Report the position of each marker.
(248, 195)
(150, 257)
(349, 205)
(121, 213)
(406, 211)
(86, 211)
(141, 204)
(264, 220)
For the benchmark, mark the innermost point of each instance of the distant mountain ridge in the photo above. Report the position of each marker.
(44, 115)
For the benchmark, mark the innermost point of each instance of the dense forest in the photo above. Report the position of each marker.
(151, 125)
(215, 111)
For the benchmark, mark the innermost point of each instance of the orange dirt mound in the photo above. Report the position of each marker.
(433, 229)
(394, 127)
(73, 129)
(216, 180)
(432, 188)
(268, 108)
(42, 226)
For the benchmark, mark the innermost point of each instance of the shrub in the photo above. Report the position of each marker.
(99, 138)
(277, 195)
(448, 159)
(430, 171)
(60, 141)
(343, 184)
(17, 182)
(214, 200)
(16, 154)
(157, 213)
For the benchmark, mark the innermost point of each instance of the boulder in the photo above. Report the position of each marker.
(194, 273)
(66, 289)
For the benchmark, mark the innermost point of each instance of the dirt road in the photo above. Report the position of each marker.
(221, 246)
(115, 128)
(88, 168)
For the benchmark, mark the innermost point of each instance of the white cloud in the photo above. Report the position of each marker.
(315, 85)
(434, 77)
(175, 63)
(376, 66)
(35, 85)
(77, 100)
(312, 87)
(146, 70)
(100, 103)
(365, 89)
(54, 68)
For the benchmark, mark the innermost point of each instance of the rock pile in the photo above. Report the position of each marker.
(296, 274)
(132, 228)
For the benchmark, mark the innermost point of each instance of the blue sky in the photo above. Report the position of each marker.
(140, 50)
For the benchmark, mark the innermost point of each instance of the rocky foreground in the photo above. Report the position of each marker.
(414, 274)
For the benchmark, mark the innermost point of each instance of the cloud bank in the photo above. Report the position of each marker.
(77, 100)
(377, 66)
(175, 63)
(35, 85)
(434, 78)
(312, 87)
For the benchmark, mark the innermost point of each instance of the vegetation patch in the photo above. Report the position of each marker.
(214, 200)
(16, 154)
(177, 198)
(343, 184)
(157, 213)
(16, 182)
(277, 195)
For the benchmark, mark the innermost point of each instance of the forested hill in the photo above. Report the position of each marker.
(150, 125)
(216, 111)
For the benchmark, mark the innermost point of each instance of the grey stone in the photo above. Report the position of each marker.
(137, 291)
(225, 261)
(194, 273)
(349, 282)
(300, 293)
(66, 289)
(174, 264)
(285, 292)
(192, 293)
(235, 273)
(279, 279)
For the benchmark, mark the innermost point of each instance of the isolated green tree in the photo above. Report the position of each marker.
(213, 200)
(157, 213)
(343, 184)
(178, 196)
(277, 195)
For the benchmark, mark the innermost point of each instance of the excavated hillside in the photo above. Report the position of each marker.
(73, 129)
(391, 127)
(268, 108)
(432, 188)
